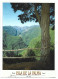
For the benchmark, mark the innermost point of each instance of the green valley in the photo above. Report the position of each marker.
(29, 37)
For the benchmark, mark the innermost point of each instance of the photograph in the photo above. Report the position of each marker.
(28, 36)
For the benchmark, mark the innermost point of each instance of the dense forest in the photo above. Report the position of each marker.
(15, 37)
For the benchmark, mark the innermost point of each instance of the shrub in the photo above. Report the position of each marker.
(30, 52)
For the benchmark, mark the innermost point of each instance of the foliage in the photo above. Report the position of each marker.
(36, 43)
(33, 41)
(30, 52)
(32, 11)
(12, 42)
(33, 32)
(4, 40)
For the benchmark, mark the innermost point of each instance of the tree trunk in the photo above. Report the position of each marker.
(45, 37)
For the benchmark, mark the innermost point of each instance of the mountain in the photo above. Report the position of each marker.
(28, 37)
(12, 42)
(15, 30)
(30, 33)
(10, 30)
(27, 33)
(36, 43)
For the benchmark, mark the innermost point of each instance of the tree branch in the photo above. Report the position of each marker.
(37, 15)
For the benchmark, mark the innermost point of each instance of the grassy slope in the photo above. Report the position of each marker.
(12, 42)
(34, 37)
(36, 42)
(30, 34)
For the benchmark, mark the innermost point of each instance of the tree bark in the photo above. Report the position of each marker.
(45, 36)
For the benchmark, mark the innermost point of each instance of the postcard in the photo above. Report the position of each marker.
(28, 39)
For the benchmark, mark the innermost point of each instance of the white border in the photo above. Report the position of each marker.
(34, 1)
(6, 73)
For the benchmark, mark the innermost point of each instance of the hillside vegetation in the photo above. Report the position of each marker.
(30, 34)
(26, 37)
(12, 42)
(36, 43)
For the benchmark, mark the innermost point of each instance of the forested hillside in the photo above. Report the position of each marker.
(29, 37)
(33, 32)
(36, 43)
(12, 42)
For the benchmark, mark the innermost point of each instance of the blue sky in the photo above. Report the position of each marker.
(11, 18)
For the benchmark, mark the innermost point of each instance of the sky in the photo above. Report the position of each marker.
(11, 19)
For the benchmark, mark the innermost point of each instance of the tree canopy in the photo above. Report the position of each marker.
(32, 11)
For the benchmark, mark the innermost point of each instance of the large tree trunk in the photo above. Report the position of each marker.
(45, 37)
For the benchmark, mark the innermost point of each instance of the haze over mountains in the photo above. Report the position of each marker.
(16, 30)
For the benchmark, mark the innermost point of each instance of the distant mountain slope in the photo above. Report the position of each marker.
(36, 43)
(27, 33)
(33, 32)
(10, 30)
(29, 37)
(15, 30)
(12, 42)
